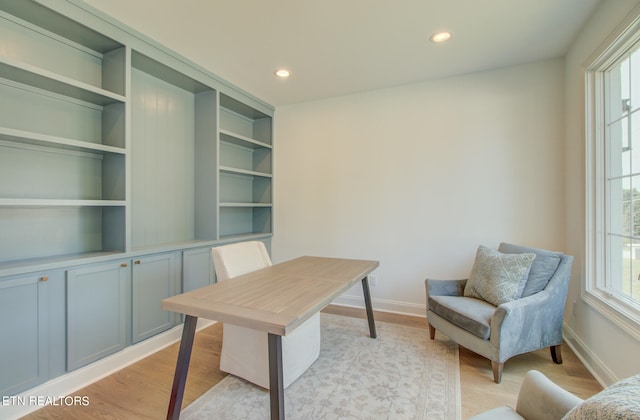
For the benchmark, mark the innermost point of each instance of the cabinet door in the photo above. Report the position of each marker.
(96, 312)
(153, 280)
(23, 347)
(197, 269)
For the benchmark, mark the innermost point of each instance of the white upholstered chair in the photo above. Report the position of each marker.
(245, 351)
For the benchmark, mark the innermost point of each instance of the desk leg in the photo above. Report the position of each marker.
(367, 304)
(276, 383)
(182, 366)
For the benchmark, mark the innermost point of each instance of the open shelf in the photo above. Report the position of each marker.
(64, 176)
(37, 139)
(243, 172)
(242, 155)
(239, 221)
(46, 80)
(47, 50)
(242, 141)
(240, 188)
(43, 17)
(51, 228)
(244, 121)
(241, 204)
(39, 202)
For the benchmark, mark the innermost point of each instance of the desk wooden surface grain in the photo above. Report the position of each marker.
(275, 299)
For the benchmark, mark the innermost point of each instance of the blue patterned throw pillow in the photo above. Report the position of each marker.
(496, 277)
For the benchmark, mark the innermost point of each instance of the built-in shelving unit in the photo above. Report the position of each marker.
(112, 144)
(121, 165)
(245, 170)
(62, 136)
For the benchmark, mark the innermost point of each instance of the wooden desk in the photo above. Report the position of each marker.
(275, 300)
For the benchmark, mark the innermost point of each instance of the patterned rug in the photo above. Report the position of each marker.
(402, 374)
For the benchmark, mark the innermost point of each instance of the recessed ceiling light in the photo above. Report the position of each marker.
(439, 37)
(282, 73)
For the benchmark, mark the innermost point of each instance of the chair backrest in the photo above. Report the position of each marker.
(543, 269)
(237, 259)
(562, 276)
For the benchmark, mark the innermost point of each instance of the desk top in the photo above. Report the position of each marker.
(275, 299)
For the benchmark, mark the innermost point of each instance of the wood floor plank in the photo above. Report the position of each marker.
(141, 390)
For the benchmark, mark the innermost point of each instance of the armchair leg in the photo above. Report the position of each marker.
(556, 354)
(432, 332)
(497, 371)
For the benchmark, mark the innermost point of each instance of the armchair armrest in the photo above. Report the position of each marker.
(528, 324)
(445, 287)
(541, 399)
(538, 399)
(533, 322)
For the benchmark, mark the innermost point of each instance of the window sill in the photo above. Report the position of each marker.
(625, 319)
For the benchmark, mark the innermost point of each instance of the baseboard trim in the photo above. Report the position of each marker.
(84, 376)
(385, 305)
(599, 370)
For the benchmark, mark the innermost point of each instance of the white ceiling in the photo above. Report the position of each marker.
(336, 47)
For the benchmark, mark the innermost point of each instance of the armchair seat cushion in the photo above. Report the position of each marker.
(471, 314)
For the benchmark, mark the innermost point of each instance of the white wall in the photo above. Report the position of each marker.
(609, 351)
(418, 176)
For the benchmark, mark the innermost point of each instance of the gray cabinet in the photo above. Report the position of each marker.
(23, 348)
(97, 301)
(153, 279)
(197, 269)
(107, 302)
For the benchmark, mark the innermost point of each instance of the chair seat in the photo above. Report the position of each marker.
(245, 352)
(471, 314)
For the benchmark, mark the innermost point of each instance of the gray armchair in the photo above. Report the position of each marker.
(529, 323)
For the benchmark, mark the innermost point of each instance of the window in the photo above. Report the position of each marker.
(613, 179)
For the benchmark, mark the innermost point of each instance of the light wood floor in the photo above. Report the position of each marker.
(141, 390)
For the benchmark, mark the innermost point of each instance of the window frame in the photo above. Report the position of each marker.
(594, 290)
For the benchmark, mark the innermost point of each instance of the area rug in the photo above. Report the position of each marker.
(402, 374)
